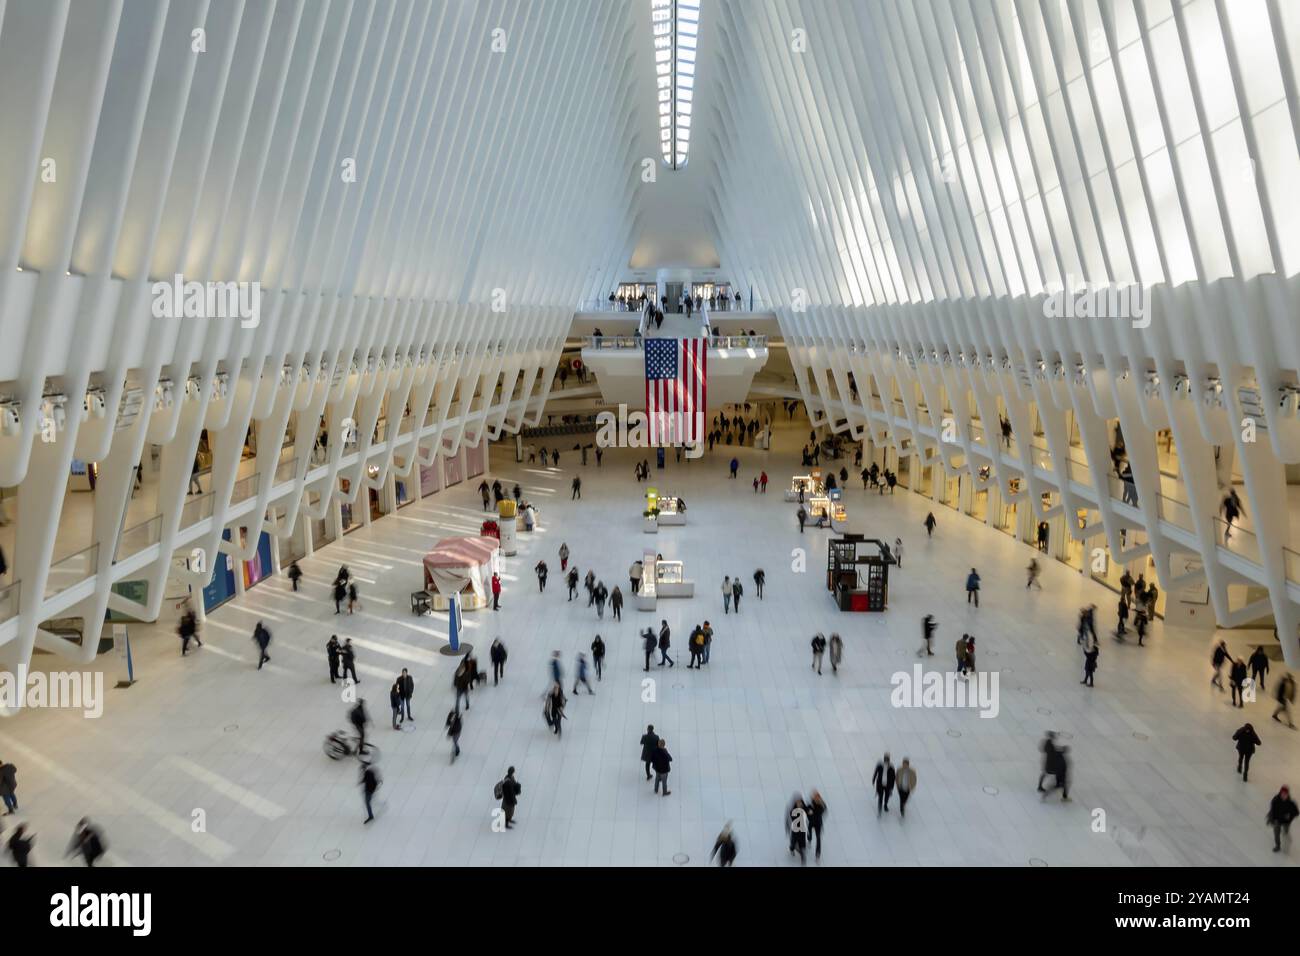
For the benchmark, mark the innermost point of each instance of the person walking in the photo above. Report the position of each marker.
(262, 638)
(188, 628)
(962, 654)
(760, 579)
(483, 491)
(816, 807)
(564, 557)
(1281, 811)
(1285, 696)
(557, 671)
(598, 655)
(906, 781)
(1090, 663)
(572, 581)
(577, 488)
(1259, 666)
(462, 681)
(634, 576)
(1237, 682)
(649, 643)
(554, 709)
(1247, 740)
(737, 589)
(9, 787)
(508, 791)
(370, 783)
(601, 595)
(88, 841)
(762, 482)
(726, 594)
(20, 846)
(295, 574)
(332, 651)
(973, 587)
(665, 642)
(359, 717)
(616, 606)
(724, 847)
(661, 760)
(406, 684)
(818, 649)
(1220, 655)
(1122, 613)
(802, 515)
(589, 582)
(796, 825)
(930, 524)
(928, 627)
(496, 592)
(353, 601)
(454, 727)
(1056, 764)
(884, 779)
(706, 636)
(580, 675)
(340, 595)
(735, 466)
(1047, 748)
(1033, 571)
(349, 658)
(649, 743)
(542, 571)
(497, 655)
(898, 552)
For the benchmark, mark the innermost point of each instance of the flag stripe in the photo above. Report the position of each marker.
(676, 389)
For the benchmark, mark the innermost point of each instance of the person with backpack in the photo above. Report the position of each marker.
(507, 791)
(818, 649)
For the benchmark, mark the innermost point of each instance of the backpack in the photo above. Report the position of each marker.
(499, 790)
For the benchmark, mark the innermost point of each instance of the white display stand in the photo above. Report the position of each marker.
(509, 537)
(646, 595)
(668, 512)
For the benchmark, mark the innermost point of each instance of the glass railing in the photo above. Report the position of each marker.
(286, 471)
(196, 509)
(138, 537)
(1240, 541)
(72, 570)
(1292, 559)
(613, 342)
(1175, 512)
(738, 342)
(244, 489)
(722, 306)
(9, 595)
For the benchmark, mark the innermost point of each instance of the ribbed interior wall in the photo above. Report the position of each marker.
(494, 150)
(910, 181)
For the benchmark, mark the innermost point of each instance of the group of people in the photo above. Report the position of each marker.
(878, 478)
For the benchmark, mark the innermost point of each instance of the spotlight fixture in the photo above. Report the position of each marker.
(1182, 386)
(220, 386)
(1289, 400)
(193, 388)
(54, 408)
(1152, 387)
(1058, 370)
(1213, 392)
(1252, 403)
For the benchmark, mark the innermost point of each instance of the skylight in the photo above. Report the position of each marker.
(675, 25)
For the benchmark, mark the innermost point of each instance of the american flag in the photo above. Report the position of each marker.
(676, 389)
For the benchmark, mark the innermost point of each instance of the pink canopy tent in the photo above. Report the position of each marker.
(460, 565)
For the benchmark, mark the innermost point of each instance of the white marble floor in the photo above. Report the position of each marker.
(1150, 744)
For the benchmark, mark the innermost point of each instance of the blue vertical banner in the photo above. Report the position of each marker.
(453, 622)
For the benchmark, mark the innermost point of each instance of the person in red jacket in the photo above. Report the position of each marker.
(496, 592)
(762, 481)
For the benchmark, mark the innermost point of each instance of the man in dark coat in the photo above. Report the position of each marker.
(406, 684)
(1247, 740)
(649, 742)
